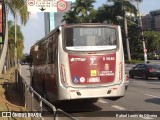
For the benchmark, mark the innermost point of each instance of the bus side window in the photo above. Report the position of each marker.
(55, 39)
(43, 52)
(50, 50)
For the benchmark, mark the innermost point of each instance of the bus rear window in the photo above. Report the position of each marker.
(90, 39)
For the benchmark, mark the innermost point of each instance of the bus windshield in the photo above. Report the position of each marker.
(90, 39)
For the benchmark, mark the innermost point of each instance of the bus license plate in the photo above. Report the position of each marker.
(94, 79)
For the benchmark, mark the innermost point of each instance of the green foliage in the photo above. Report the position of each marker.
(152, 56)
(25, 58)
(18, 8)
(11, 37)
(138, 56)
(134, 61)
(81, 12)
(152, 39)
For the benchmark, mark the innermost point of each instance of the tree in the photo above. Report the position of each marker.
(81, 11)
(26, 58)
(20, 38)
(119, 8)
(70, 17)
(134, 33)
(152, 39)
(18, 7)
(104, 13)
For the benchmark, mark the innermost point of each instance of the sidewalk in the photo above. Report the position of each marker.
(9, 97)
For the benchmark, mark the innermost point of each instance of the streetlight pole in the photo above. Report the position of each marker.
(15, 50)
(15, 37)
(126, 31)
(126, 36)
(142, 34)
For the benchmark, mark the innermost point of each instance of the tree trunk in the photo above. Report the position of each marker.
(4, 49)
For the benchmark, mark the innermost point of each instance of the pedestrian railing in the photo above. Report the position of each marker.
(37, 104)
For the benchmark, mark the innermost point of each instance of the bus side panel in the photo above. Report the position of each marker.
(51, 68)
(63, 72)
(51, 83)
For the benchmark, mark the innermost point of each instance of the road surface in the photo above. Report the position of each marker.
(141, 95)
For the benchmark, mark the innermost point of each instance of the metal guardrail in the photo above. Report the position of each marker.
(35, 103)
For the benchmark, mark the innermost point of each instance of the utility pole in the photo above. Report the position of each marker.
(15, 49)
(15, 37)
(142, 34)
(126, 36)
(126, 32)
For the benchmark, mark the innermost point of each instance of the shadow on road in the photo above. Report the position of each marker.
(75, 106)
(155, 88)
(11, 93)
(153, 100)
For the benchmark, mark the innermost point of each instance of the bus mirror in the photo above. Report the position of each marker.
(30, 60)
(58, 30)
(2, 21)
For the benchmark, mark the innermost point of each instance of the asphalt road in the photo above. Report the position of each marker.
(141, 95)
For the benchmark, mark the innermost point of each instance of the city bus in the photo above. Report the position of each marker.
(79, 61)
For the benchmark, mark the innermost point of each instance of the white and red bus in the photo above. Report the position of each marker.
(80, 61)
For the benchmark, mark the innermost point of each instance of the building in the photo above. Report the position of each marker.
(151, 21)
(157, 22)
(146, 21)
(52, 20)
(155, 19)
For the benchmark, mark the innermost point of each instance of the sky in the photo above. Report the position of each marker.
(34, 29)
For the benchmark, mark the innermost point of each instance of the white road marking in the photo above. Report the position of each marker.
(102, 101)
(118, 107)
(152, 96)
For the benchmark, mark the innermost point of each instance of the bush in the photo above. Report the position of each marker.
(134, 61)
(152, 56)
(138, 56)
